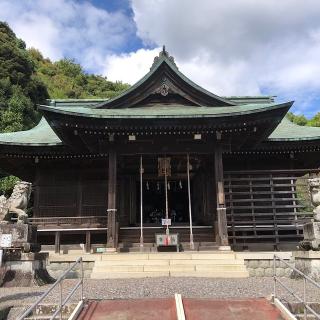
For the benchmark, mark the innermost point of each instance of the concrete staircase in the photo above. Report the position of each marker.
(152, 247)
(218, 264)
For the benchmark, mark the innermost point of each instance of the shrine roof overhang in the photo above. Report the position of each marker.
(242, 124)
(289, 131)
(283, 135)
(41, 135)
(163, 111)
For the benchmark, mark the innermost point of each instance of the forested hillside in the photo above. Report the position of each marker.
(67, 79)
(28, 79)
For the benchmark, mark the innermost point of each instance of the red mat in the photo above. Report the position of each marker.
(195, 309)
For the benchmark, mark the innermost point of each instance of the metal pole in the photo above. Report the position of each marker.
(82, 275)
(274, 278)
(304, 299)
(141, 204)
(60, 300)
(189, 200)
(166, 192)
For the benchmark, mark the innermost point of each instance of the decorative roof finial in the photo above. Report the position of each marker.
(163, 54)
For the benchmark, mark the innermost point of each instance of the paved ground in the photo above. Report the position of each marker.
(195, 309)
(161, 288)
(142, 309)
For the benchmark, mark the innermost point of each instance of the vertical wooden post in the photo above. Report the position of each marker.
(141, 203)
(57, 242)
(189, 203)
(112, 211)
(88, 241)
(221, 206)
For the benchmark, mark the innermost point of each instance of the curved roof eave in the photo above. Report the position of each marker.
(41, 135)
(289, 131)
(167, 111)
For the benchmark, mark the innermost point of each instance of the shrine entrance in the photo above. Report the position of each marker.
(154, 201)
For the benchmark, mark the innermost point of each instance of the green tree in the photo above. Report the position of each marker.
(66, 79)
(20, 90)
(315, 121)
(298, 119)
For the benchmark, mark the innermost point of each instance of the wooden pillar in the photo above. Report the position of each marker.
(88, 241)
(57, 242)
(112, 234)
(222, 236)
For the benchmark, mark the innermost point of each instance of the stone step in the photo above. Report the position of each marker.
(128, 275)
(168, 255)
(140, 262)
(211, 274)
(163, 262)
(218, 264)
(161, 268)
(149, 274)
(220, 268)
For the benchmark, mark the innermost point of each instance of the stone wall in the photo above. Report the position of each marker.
(56, 268)
(264, 268)
(260, 264)
(308, 262)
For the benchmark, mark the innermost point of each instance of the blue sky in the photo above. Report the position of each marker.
(234, 47)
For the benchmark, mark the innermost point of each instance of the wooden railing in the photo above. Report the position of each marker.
(89, 221)
(267, 207)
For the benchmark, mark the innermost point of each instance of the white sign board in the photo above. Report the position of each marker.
(166, 222)
(6, 240)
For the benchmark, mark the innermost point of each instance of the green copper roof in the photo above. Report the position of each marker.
(166, 111)
(40, 135)
(289, 131)
(251, 99)
(75, 102)
(165, 58)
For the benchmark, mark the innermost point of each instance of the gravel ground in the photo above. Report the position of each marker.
(161, 287)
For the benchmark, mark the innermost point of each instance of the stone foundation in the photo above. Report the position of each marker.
(308, 262)
(56, 268)
(22, 269)
(260, 264)
(264, 268)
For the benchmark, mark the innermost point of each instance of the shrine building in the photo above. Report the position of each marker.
(227, 171)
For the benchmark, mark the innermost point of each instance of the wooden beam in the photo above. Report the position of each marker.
(112, 211)
(222, 236)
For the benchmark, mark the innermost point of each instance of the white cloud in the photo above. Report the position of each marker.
(129, 67)
(66, 28)
(133, 66)
(230, 47)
